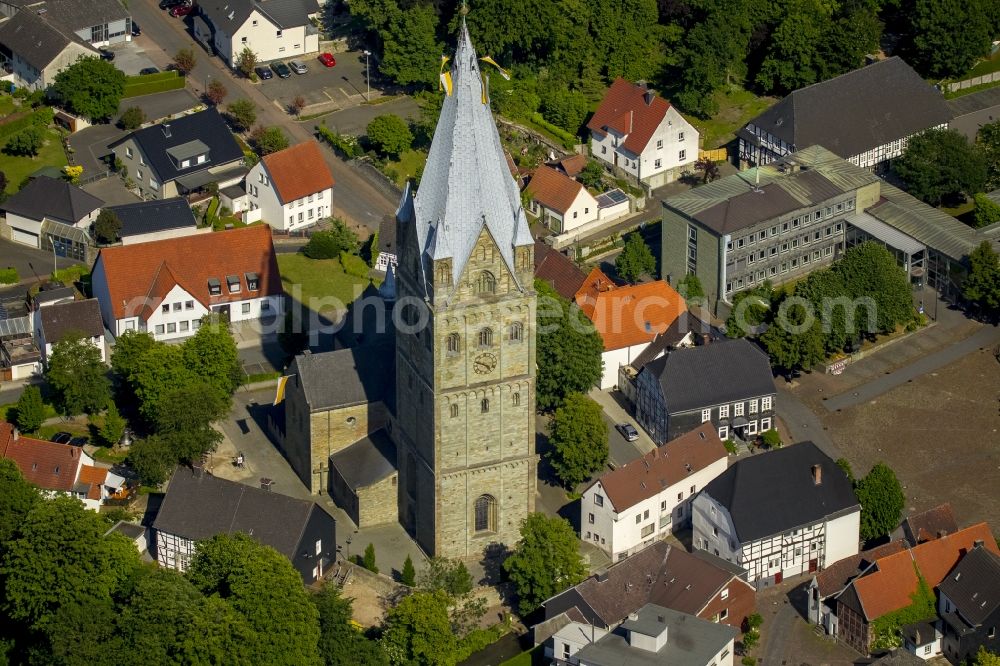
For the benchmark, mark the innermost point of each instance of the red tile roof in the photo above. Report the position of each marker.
(663, 467)
(930, 524)
(47, 465)
(629, 315)
(553, 190)
(139, 276)
(891, 585)
(558, 270)
(624, 109)
(835, 577)
(298, 171)
(573, 164)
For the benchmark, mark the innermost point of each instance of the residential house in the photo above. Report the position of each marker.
(52, 293)
(728, 383)
(59, 469)
(199, 506)
(333, 400)
(931, 524)
(386, 247)
(562, 203)
(134, 533)
(827, 584)
(922, 639)
(650, 497)
(156, 219)
(787, 512)
(95, 22)
(571, 166)
(271, 29)
(696, 584)
(642, 135)
(35, 50)
(166, 287)
(50, 212)
(628, 318)
(57, 322)
(890, 582)
(557, 270)
(19, 356)
(782, 221)
(970, 112)
(658, 635)
(865, 116)
(181, 156)
(363, 480)
(291, 189)
(969, 605)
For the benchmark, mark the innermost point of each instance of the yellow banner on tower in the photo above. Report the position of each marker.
(490, 61)
(445, 76)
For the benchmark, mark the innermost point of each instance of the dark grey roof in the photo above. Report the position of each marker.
(974, 585)
(857, 111)
(145, 217)
(199, 506)
(131, 530)
(76, 15)
(34, 39)
(54, 199)
(691, 641)
(387, 235)
(920, 633)
(686, 322)
(366, 461)
(720, 372)
(971, 103)
(774, 492)
(61, 319)
(206, 126)
(229, 15)
(898, 657)
(50, 295)
(346, 377)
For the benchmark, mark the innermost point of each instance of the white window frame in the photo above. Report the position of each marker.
(723, 433)
(752, 428)
(738, 409)
(723, 411)
(765, 403)
(753, 406)
(765, 424)
(706, 415)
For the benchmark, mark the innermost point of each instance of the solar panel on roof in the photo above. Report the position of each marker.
(611, 198)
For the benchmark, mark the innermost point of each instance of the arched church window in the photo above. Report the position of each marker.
(484, 405)
(516, 332)
(486, 337)
(454, 410)
(486, 514)
(453, 343)
(486, 283)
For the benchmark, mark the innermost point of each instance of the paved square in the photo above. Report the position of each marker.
(341, 86)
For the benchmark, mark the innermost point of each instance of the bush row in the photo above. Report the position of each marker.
(150, 83)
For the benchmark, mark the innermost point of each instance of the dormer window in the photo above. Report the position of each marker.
(252, 281)
(188, 153)
(214, 287)
(234, 283)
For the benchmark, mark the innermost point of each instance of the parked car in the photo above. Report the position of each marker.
(281, 69)
(263, 73)
(149, 70)
(62, 437)
(136, 30)
(78, 441)
(181, 10)
(298, 67)
(628, 431)
(327, 59)
(106, 54)
(168, 4)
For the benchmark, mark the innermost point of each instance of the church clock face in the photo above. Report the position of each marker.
(484, 363)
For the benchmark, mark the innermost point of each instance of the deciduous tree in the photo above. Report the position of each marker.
(246, 61)
(341, 642)
(982, 285)
(78, 376)
(90, 87)
(17, 497)
(216, 92)
(26, 143)
(635, 260)
(940, 165)
(948, 36)
(132, 118)
(868, 271)
(579, 440)
(107, 226)
(410, 46)
(987, 211)
(242, 113)
(546, 560)
(418, 631)
(389, 134)
(882, 501)
(29, 412)
(113, 427)
(794, 340)
(569, 349)
(329, 243)
(269, 140)
(185, 61)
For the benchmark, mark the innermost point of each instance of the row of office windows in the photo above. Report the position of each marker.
(790, 225)
(759, 276)
(792, 244)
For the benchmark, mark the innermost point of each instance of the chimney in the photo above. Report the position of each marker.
(978, 543)
(942, 533)
(633, 616)
(166, 130)
(817, 473)
(649, 97)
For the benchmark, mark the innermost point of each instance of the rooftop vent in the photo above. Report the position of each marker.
(166, 130)
(817, 474)
(978, 543)
(649, 96)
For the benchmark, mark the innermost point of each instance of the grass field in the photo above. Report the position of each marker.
(736, 107)
(406, 166)
(321, 284)
(532, 658)
(18, 168)
(987, 66)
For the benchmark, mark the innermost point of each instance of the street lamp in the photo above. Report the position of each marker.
(368, 97)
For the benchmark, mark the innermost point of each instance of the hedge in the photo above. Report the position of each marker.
(347, 146)
(354, 265)
(148, 84)
(9, 276)
(568, 139)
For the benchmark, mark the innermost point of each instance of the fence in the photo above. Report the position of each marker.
(717, 155)
(969, 83)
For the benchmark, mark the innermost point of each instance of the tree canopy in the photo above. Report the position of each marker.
(389, 134)
(940, 165)
(569, 349)
(340, 643)
(635, 260)
(546, 560)
(329, 243)
(982, 285)
(78, 376)
(90, 87)
(882, 501)
(29, 412)
(107, 226)
(579, 440)
(417, 631)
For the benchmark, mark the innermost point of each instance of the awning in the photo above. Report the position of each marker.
(739, 422)
(889, 235)
(192, 181)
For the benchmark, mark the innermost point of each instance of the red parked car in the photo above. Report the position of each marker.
(327, 59)
(181, 10)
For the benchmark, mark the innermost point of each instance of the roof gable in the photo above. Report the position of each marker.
(298, 171)
(558, 270)
(62, 319)
(55, 199)
(36, 39)
(974, 585)
(47, 465)
(139, 275)
(930, 524)
(631, 110)
(555, 190)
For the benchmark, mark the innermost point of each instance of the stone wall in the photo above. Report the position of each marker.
(377, 503)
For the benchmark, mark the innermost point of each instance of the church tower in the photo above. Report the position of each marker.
(465, 341)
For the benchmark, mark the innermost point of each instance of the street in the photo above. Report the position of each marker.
(356, 198)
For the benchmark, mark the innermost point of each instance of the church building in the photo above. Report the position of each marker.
(462, 418)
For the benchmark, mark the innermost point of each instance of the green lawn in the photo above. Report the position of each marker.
(987, 66)
(19, 168)
(7, 412)
(736, 107)
(406, 166)
(534, 657)
(322, 284)
(7, 105)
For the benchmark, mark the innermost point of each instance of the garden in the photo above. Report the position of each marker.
(28, 138)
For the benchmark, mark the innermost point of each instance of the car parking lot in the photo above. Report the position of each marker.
(130, 57)
(340, 86)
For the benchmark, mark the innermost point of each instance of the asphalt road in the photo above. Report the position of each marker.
(355, 198)
(620, 450)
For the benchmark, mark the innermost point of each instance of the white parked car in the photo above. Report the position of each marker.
(298, 67)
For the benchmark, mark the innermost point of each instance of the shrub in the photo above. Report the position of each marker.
(107, 227)
(29, 412)
(132, 118)
(344, 144)
(216, 92)
(26, 143)
(987, 212)
(389, 134)
(354, 265)
(330, 243)
(368, 561)
(147, 84)
(9, 275)
(408, 576)
(731, 446)
(242, 114)
(771, 439)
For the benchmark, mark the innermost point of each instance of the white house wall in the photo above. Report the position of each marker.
(661, 156)
(266, 205)
(263, 40)
(583, 210)
(842, 538)
(162, 235)
(615, 358)
(18, 223)
(176, 318)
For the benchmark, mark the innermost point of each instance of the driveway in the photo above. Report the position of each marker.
(342, 85)
(161, 105)
(90, 146)
(130, 57)
(354, 121)
(31, 263)
(111, 191)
